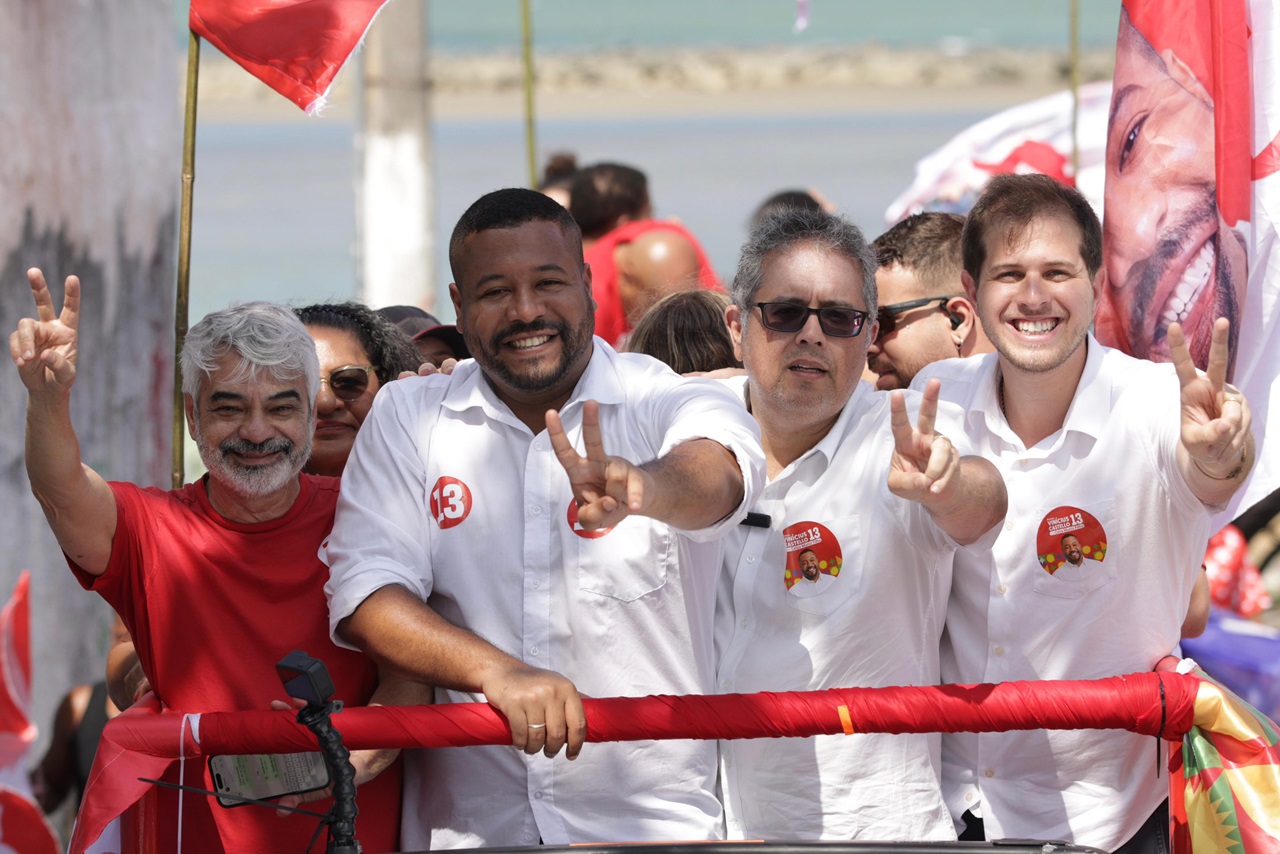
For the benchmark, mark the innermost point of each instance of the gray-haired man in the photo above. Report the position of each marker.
(218, 580)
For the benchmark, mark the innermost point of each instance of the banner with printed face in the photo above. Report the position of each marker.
(1191, 192)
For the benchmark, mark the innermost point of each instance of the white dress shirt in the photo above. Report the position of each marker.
(1109, 477)
(450, 495)
(875, 622)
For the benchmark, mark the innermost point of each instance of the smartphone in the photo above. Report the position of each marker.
(265, 776)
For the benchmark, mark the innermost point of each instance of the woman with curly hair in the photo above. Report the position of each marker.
(359, 351)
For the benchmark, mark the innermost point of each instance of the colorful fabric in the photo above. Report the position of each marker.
(1230, 796)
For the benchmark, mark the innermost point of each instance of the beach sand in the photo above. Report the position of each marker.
(684, 82)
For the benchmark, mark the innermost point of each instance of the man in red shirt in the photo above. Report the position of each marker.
(218, 580)
(635, 260)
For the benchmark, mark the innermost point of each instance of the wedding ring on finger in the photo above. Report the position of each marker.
(536, 726)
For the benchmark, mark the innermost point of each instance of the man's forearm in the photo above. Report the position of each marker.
(979, 502)
(697, 484)
(77, 502)
(411, 642)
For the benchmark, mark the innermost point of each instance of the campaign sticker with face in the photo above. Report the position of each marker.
(450, 502)
(574, 526)
(1069, 536)
(812, 554)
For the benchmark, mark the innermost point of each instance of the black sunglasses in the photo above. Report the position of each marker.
(887, 315)
(791, 317)
(349, 382)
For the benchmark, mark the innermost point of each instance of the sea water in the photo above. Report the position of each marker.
(274, 201)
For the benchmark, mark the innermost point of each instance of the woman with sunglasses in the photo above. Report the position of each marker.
(359, 352)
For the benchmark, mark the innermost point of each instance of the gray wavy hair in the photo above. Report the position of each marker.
(268, 337)
(788, 228)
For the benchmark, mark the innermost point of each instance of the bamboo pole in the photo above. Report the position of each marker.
(531, 142)
(182, 303)
(1075, 88)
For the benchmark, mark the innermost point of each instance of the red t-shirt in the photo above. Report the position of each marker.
(212, 605)
(611, 321)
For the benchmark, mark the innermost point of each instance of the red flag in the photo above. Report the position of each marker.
(22, 825)
(113, 785)
(296, 47)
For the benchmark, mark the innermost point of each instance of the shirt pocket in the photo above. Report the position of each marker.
(1091, 524)
(837, 546)
(627, 561)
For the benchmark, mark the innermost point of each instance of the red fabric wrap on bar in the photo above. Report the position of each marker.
(1124, 702)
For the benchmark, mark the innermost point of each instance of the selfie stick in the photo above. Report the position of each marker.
(305, 678)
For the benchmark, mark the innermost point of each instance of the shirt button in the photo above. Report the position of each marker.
(533, 650)
(1003, 589)
(745, 622)
(1008, 525)
(535, 510)
(535, 584)
(538, 446)
(999, 652)
(751, 558)
(988, 773)
(537, 796)
(968, 796)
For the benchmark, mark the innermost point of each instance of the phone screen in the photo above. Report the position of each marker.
(265, 776)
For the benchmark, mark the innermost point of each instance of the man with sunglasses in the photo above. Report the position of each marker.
(924, 315)
(218, 580)
(872, 505)
(475, 548)
(1131, 459)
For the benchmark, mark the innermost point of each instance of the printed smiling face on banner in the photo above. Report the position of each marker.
(812, 552)
(1069, 536)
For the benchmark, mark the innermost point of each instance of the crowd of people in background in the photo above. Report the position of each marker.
(856, 463)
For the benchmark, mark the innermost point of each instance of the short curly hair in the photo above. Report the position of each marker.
(389, 349)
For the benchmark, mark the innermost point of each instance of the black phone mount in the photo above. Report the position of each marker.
(305, 678)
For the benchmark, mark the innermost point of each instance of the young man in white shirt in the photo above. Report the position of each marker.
(872, 506)
(1127, 457)
(474, 548)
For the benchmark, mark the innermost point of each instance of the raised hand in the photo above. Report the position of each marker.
(1215, 415)
(44, 347)
(607, 489)
(924, 463)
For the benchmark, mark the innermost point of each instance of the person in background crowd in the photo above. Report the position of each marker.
(808, 200)
(359, 351)
(557, 176)
(634, 260)
(436, 342)
(686, 330)
(77, 725)
(924, 315)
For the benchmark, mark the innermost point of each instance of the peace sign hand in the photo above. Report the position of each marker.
(44, 347)
(1215, 415)
(607, 489)
(924, 463)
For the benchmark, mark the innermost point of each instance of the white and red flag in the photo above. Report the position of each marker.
(22, 825)
(297, 47)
